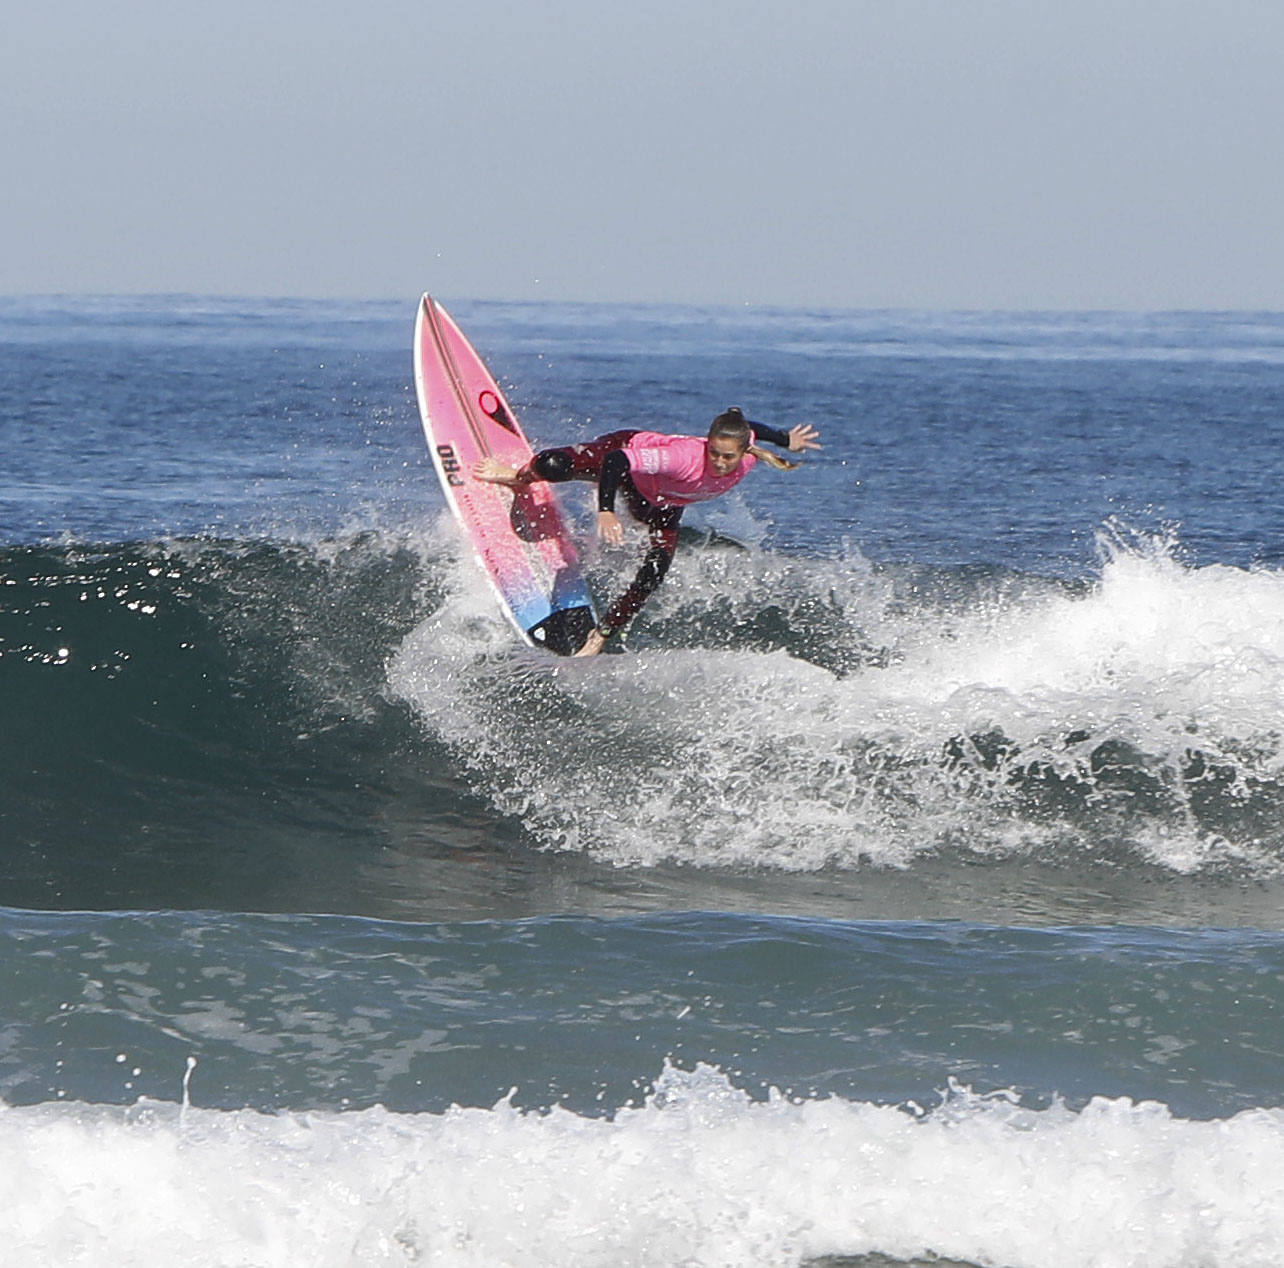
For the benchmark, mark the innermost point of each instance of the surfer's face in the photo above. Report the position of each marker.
(724, 455)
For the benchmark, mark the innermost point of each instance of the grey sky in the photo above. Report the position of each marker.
(922, 153)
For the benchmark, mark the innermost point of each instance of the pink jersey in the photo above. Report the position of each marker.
(673, 470)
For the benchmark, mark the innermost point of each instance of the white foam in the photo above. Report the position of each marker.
(727, 758)
(1205, 642)
(698, 1175)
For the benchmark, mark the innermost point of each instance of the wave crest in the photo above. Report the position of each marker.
(802, 714)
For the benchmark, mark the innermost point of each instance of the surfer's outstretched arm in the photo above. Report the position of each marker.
(796, 439)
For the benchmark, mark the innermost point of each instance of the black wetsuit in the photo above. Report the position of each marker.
(605, 461)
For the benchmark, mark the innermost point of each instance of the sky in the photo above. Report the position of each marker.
(960, 154)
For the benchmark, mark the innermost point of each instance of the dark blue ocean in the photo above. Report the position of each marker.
(910, 889)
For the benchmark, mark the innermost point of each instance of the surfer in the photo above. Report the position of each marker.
(658, 476)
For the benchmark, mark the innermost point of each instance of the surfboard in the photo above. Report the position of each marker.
(519, 536)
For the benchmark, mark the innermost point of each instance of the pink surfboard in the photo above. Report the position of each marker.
(519, 536)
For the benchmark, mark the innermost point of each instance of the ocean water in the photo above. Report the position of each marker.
(909, 890)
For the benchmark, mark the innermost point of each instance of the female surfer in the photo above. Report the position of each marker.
(658, 477)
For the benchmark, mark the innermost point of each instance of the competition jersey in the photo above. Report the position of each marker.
(673, 471)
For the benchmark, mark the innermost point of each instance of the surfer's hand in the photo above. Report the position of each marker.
(609, 528)
(803, 436)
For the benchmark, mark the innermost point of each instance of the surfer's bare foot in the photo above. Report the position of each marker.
(492, 471)
(592, 645)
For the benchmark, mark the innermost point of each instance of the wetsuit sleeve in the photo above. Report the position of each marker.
(772, 435)
(615, 467)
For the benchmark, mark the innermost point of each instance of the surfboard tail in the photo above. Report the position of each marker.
(564, 631)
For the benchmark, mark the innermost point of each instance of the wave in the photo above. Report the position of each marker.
(217, 709)
(804, 714)
(189, 719)
(697, 1174)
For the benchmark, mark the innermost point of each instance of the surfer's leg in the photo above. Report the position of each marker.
(663, 526)
(592, 645)
(555, 466)
(577, 462)
(492, 471)
(549, 465)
